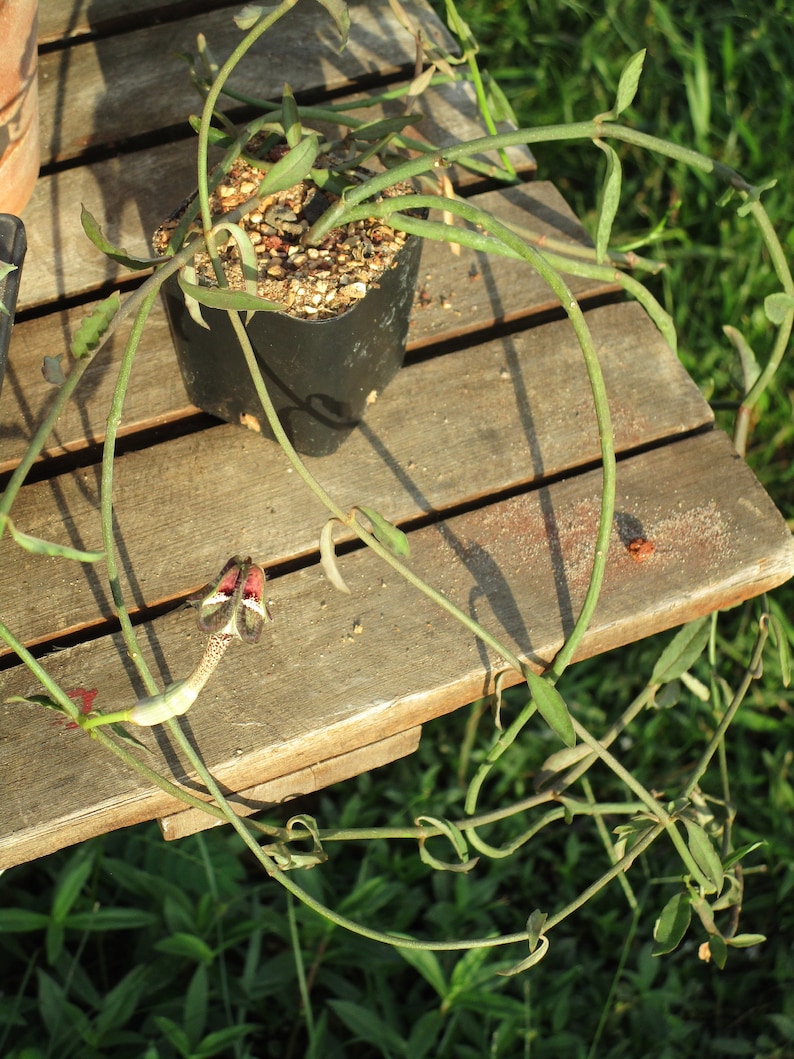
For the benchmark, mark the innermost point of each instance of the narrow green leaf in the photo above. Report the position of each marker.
(535, 925)
(745, 941)
(328, 557)
(376, 130)
(121, 1002)
(741, 853)
(387, 533)
(70, 884)
(98, 920)
(37, 546)
(672, 924)
(115, 253)
(705, 855)
(552, 708)
(778, 306)
(219, 1042)
(188, 945)
(609, 200)
(628, 83)
(682, 652)
(223, 298)
(780, 641)
(20, 920)
(292, 168)
(290, 118)
(747, 358)
(39, 700)
(245, 249)
(718, 950)
(338, 11)
(89, 334)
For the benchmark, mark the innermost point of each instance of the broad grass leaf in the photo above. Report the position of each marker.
(427, 963)
(682, 652)
(88, 335)
(60, 1017)
(188, 945)
(220, 1041)
(552, 707)
(21, 921)
(194, 1018)
(368, 1025)
(672, 924)
(70, 884)
(115, 253)
(121, 1002)
(101, 919)
(705, 856)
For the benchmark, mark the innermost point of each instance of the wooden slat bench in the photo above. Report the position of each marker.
(484, 449)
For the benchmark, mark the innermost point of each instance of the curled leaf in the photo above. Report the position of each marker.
(455, 836)
(530, 961)
(338, 11)
(328, 557)
(115, 253)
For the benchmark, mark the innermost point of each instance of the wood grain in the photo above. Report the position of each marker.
(336, 673)
(459, 294)
(478, 422)
(305, 781)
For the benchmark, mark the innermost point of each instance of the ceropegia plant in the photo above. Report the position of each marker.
(233, 605)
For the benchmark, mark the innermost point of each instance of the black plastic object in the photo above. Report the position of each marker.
(13, 245)
(320, 374)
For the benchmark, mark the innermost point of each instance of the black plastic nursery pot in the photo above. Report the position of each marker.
(13, 245)
(320, 374)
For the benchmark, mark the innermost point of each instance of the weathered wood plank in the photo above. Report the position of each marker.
(69, 20)
(86, 91)
(129, 195)
(336, 673)
(304, 781)
(447, 431)
(460, 294)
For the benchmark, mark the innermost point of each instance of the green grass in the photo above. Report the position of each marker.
(127, 946)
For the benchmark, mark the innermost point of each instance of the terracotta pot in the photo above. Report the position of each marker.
(19, 98)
